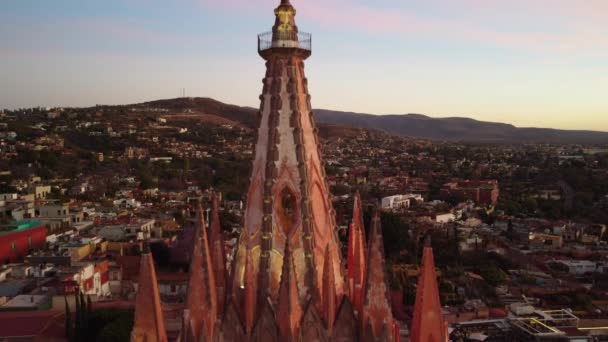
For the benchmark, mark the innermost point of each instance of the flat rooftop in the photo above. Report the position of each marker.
(18, 227)
(25, 301)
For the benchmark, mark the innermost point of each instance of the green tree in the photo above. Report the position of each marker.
(68, 322)
(582, 300)
(396, 234)
(107, 325)
(77, 324)
(510, 231)
(116, 331)
(492, 275)
(89, 310)
(82, 316)
(531, 205)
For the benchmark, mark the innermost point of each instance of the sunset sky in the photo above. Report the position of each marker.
(537, 63)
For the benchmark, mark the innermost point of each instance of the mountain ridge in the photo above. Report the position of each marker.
(461, 129)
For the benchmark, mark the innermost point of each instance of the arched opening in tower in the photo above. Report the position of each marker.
(287, 210)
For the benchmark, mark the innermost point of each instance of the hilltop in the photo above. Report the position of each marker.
(404, 125)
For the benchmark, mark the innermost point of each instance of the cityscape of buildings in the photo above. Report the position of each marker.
(182, 220)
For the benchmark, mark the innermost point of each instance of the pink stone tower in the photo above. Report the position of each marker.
(287, 281)
(428, 324)
(288, 202)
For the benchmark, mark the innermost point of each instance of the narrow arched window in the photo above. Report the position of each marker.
(287, 210)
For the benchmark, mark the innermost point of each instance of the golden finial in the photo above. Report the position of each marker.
(285, 25)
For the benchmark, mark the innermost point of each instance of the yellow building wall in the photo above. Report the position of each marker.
(82, 252)
(103, 246)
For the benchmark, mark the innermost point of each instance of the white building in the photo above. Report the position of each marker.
(42, 191)
(400, 201)
(91, 279)
(128, 203)
(581, 267)
(16, 209)
(9, 196)
(445, 218)
(140, 230)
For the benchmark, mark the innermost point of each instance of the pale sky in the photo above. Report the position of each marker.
(537, 63)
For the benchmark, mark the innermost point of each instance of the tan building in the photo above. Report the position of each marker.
(42, 191)
(57, 215)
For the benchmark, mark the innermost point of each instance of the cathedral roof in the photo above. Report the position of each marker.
(428, 324)
(249, 299)
(377, 315)
(356, 258)
(218, 253)
(289, 311)
(202, 295)
(329, 290)
(149, 323)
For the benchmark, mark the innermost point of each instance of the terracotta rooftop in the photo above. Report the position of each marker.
(31, 323)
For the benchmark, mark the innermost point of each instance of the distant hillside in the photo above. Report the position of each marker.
(459, 129)
(407, 125)
(243, 115)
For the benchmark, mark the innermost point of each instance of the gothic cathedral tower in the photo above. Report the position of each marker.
(287, 282)
(288, 202)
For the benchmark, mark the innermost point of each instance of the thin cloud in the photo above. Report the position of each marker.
(85, 34)
(582, 27)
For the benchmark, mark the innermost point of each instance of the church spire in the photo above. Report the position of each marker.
(356, 259)
(289, 311)
(202, 298)
(376, 317)
(288, 197)
(149, 323)
(428, 324)
(287, 279)
(329, 290)
(218, 252)
(250, 308)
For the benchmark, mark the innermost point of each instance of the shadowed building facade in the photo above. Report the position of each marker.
(287, 281)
